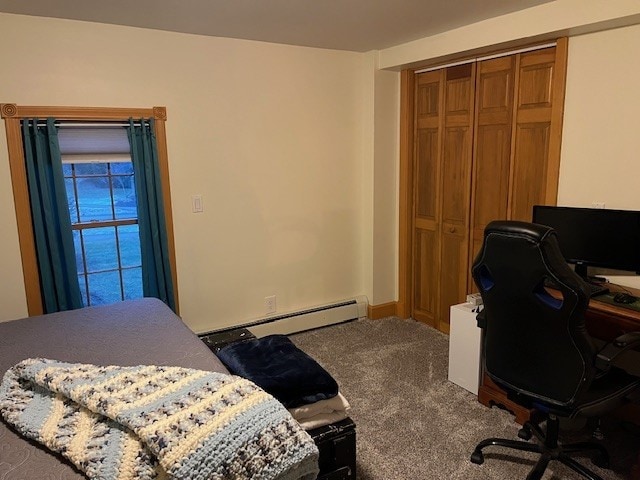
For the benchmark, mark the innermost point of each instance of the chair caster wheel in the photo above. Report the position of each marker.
(477, 457)
(524, 434)
(601, 460)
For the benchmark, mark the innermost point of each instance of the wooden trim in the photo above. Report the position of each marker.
(405, 207)
(442, 127)
(514, 132)
(100, 224)
(12, 115)
(557, 116)
(163, 163)
(383, 310)
(23, 216)
(11, 110)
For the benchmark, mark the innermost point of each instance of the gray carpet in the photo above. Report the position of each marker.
(412, 423)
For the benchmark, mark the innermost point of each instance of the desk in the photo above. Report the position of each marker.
(605, 321)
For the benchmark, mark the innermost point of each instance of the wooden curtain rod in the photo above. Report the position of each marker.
(96, 124)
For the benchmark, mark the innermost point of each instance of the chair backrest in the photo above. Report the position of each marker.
(534, 344)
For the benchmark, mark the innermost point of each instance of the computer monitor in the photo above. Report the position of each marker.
(594, 237)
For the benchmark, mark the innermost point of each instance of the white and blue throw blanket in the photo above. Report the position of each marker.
(153, 422)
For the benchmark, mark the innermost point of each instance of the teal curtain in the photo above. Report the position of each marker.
(154, 246)
(51, 221)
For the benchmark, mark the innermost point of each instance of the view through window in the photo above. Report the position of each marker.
(102, 205)
(101, 196)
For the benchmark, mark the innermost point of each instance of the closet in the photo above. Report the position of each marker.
(486, 146)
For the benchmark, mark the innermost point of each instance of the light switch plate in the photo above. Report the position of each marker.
(196, 204)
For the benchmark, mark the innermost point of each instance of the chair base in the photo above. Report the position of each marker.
(549, 449)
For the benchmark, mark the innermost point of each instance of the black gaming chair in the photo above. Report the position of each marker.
(536, 346)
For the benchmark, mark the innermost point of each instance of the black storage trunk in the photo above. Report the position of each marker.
(336, 442)
(337, 445)
(216, 340)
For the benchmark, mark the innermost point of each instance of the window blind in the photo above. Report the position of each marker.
(94, 144)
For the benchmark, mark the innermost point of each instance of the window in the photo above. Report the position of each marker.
(102, 205)
(104, 219)
(99, 181)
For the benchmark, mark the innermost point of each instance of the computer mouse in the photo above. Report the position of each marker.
(624, 298)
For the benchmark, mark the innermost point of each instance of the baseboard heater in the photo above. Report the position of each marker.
(307, 319)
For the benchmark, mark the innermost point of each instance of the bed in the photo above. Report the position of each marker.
(134, 332)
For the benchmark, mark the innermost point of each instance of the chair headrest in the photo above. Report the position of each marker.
(532, 230)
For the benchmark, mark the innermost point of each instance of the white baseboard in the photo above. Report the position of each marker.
(311, 318)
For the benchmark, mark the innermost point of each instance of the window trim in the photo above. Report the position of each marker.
(12, 115)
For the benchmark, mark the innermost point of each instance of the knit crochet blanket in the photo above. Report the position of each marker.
(153, 422)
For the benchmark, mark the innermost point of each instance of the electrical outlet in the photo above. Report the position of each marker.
(597, 204)
(270, 304)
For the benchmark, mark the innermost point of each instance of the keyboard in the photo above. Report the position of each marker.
(595, 290)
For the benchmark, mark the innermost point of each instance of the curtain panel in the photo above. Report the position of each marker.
(55, 251)
(154, 246)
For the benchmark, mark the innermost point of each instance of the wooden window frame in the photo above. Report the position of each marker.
(12, 115)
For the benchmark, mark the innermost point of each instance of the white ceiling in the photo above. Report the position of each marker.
(357, 25)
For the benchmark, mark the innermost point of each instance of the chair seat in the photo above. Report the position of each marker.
(604, 394)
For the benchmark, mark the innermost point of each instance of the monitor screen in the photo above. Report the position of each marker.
(595, 237)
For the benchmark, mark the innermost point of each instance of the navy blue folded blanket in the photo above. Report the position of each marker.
(276, 365)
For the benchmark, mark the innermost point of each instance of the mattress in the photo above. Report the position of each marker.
(134, 332)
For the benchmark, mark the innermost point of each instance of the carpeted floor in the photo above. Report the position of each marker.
(412, 423)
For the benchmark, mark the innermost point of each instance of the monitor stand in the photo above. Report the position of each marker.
(595, 288)
(582, 270)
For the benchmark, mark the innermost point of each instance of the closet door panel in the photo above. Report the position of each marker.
(536, 79)
(426, 208)
(457, 149)
(458, 92)
(456, 175)
(530, 168)
(452, 279)
(427, 173)
(492, 152)
(455, 216)
(425, 282)
(491, 177)
(535, 104)
(428, 94)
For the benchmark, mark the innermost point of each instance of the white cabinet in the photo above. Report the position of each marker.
(464, 347)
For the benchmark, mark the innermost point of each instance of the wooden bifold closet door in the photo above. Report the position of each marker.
(486, 146)
(444, 121)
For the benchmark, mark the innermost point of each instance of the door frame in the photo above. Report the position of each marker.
(405, 206)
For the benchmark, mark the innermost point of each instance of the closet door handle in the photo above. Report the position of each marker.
(452, 229)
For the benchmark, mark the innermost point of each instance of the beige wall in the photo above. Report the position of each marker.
(599, 161)
(270, 135)
(601, 139)
(381, 90)
(546, 21)
(385, 186)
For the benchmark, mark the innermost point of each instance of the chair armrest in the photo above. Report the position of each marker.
(611, 350)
